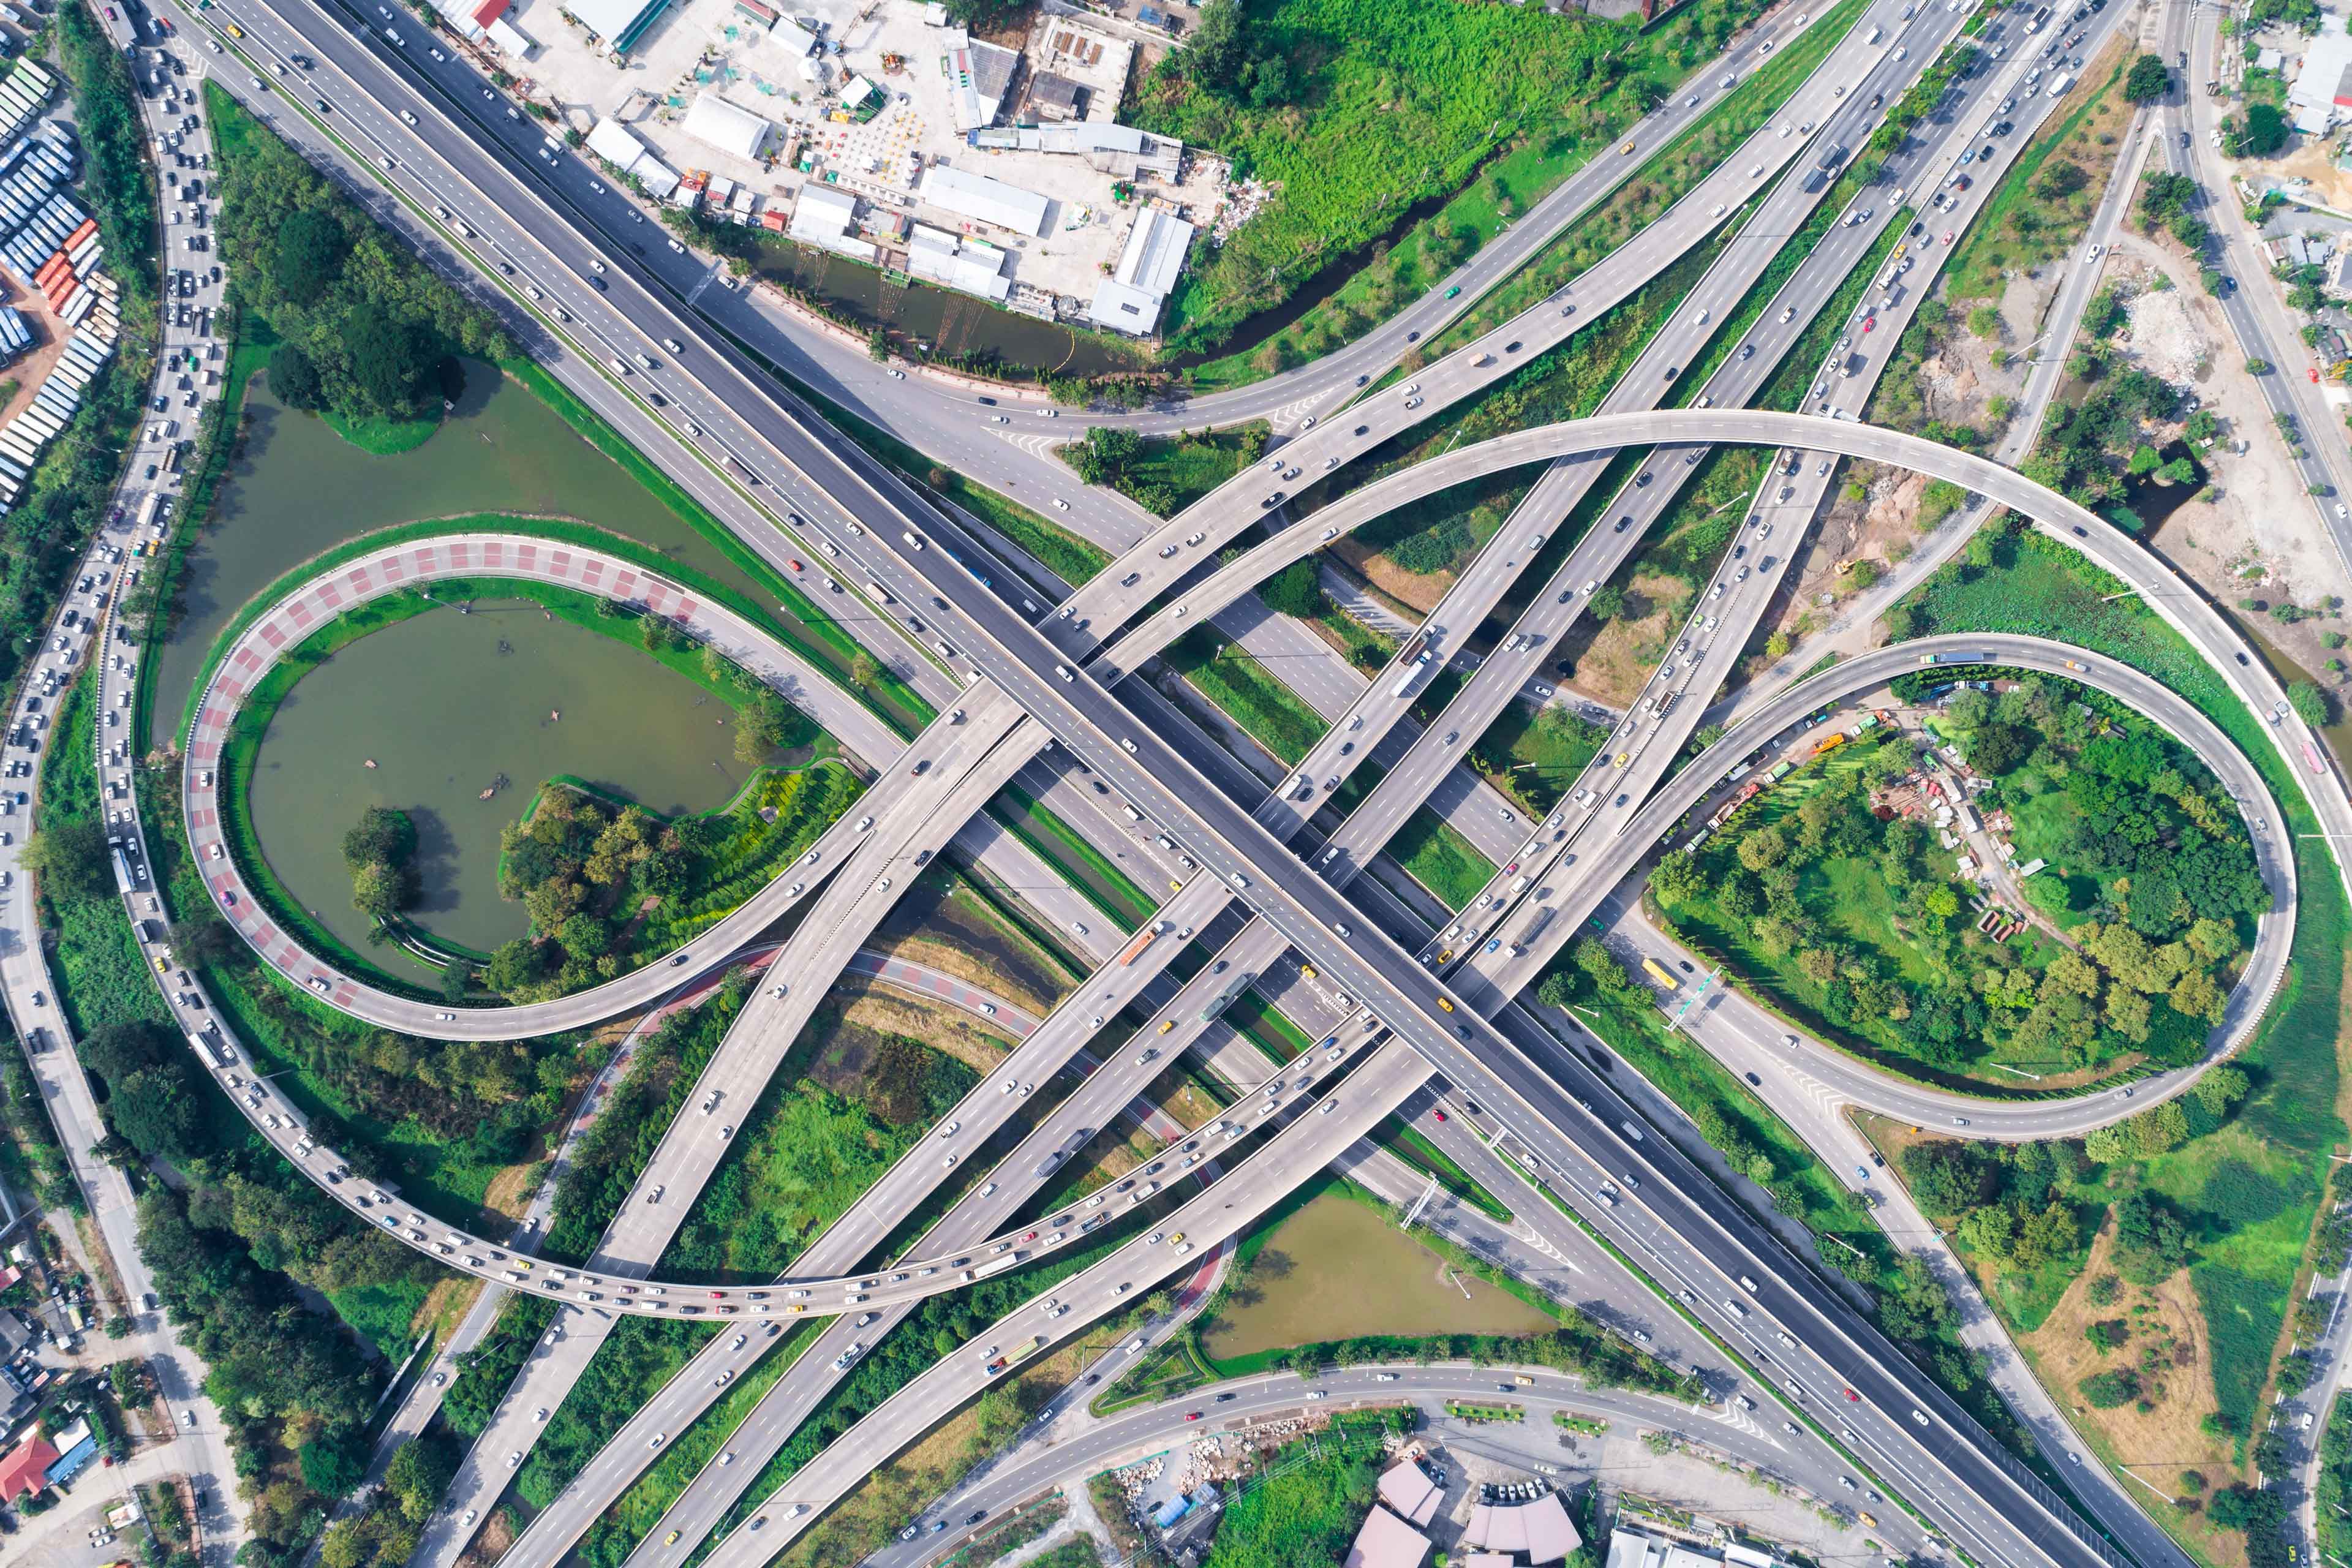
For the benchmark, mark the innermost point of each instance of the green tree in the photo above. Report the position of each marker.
(294, 378)
(71, 860)
(381, 836)
(1295, 590)
(334, 1462)
(2310, 704)
(2108, 1334)
(390, 360)
(1607, 604)
(158, 1113)
(309, 258)
(2107, 1390)
(762, 725)
(2148, 80)
(2263, 132)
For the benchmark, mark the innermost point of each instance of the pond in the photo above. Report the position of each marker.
(2151, 500)
(298, 488)
(448, 705)
(1337, 1269)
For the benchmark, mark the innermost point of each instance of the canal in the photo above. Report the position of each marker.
(448, 705)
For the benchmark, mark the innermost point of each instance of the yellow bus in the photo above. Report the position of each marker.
(1657, 971)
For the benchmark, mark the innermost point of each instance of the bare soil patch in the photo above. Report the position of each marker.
(2165, 1325)
(1616, 663)
(945, 1029)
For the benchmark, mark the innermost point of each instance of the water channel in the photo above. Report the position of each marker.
(445, 704)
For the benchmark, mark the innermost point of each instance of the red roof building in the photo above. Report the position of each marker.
(24, 1470)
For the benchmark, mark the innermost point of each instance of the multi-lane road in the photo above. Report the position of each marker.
(1028, 672)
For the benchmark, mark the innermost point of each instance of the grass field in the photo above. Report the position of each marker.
(2255, 1201)
(1229, 675)
(1087, 867)
(1408, 106)
(1441, 859)
(380, 434)
(2024, 224)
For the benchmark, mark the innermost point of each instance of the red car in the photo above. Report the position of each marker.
(1439, 1115)
(795, 566)
(1851, 1397)
(1869, 324)
(1192, 1416)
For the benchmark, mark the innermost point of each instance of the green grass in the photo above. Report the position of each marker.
(1170, 473)
(1660, 181)
(1233, 679)
(1397, 88)
(2247, 1255)
(2020, 226)
(381, 1314)
(1098, 880)
(1265, 1027)
(1441, 859)
(1536, 753)
(381, 433)
(101, 976)
(1308, 1508)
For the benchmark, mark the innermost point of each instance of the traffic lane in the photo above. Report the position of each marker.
(1042, 1460)
(1495, 354)
(1302, 907)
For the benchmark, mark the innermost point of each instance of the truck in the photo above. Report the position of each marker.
(126, 881)
(2058, 85)
(149, 508)
(1825, 166)
(1410, 673)
(1021, 1352)
(2040, 19)
(1532, 929)
(1143, 938)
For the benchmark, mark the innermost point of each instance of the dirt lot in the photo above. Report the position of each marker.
(943, 1029)
(2253, 535)
(1613, 667)
(2165, 1320)
(948, 928)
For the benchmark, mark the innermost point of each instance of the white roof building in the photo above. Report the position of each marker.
(509, 40)
(1130, 300)
(610, 141)
(726, 126)
(958, 261)
(978, 73)
(2321, 94)
(791, 37)
(617, 22)
(983, 200)
(828, 218)
(1630, 1548)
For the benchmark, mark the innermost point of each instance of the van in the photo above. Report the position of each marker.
(620, 367)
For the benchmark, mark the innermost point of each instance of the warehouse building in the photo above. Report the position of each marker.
(1130, 300)
(958, 262)
(983, 200)
(729, 127)
(828, 218)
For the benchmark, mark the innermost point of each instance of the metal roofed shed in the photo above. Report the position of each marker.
(2322, 92)
(983, 200)
(620, 23)
(726, 126)
(1130, 298)
(610, 141)
(1541, 1529)
(979, 74)
(825, 218)
(1406, 1487)
(958, 261)
(1386, 1542)
(1055, 97)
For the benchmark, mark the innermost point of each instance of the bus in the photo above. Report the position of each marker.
(124, 881)
(1226, 998)
(1832, 744)
(1657, 971)
(2311, 758)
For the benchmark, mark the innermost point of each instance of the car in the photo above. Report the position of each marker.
(1450, 293)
